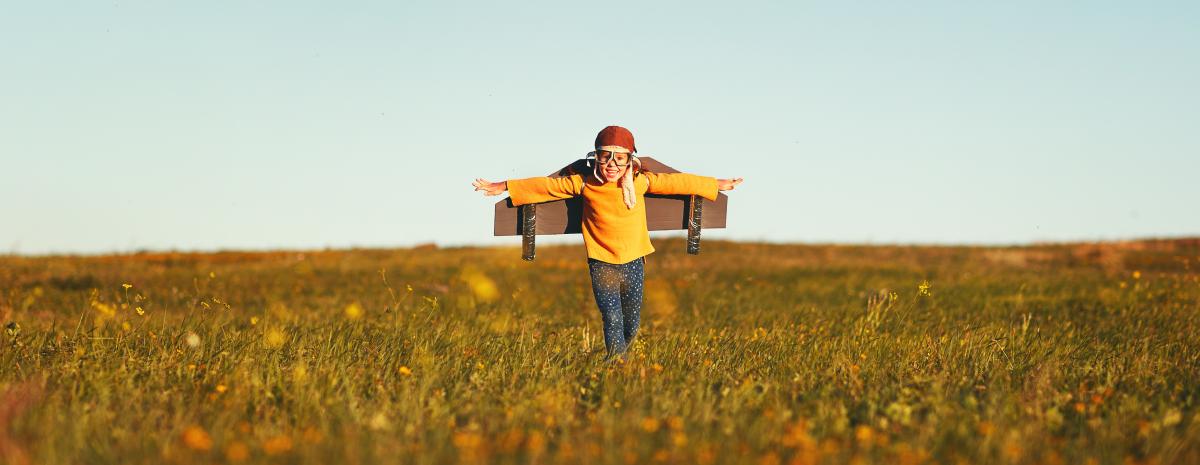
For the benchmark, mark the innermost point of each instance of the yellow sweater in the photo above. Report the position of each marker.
(612, 232)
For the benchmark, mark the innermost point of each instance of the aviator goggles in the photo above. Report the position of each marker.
(604, 157)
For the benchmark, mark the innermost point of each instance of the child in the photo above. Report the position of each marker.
(614, 222)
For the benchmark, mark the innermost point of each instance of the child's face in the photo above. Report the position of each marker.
(612, 165)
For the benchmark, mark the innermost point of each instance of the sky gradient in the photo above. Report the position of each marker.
(265, 125)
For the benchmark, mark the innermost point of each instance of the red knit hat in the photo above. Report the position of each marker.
(615, 136)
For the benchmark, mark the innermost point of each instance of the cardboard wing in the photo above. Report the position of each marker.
(663, 212)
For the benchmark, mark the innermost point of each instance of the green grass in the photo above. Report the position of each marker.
(748, 353)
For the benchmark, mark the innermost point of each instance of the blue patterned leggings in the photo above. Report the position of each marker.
(618, 291)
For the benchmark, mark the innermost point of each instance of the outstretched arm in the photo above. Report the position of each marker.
(533, 190)
(688, 184)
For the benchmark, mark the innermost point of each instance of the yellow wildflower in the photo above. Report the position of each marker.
(863, 433)
(274, 338)
(467, 440)
(104, 309)
(380, 422)
(237, 452)
(354, 311)
(196, 438)
(482, 287)
(277, 445)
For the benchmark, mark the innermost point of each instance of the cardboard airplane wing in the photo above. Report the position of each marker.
(663, 212)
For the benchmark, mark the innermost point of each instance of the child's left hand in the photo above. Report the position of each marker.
(727, 184)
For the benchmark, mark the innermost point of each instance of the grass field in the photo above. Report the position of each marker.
(749, 353)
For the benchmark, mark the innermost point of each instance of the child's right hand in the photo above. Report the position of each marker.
(728, 184)
(489, 188)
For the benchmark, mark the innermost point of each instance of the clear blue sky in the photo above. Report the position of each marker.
(216, 125)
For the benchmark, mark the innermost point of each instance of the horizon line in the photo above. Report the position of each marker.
(450, 246)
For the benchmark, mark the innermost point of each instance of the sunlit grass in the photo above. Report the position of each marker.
(749, 353)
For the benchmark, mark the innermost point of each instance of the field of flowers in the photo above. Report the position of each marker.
(749, 353)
